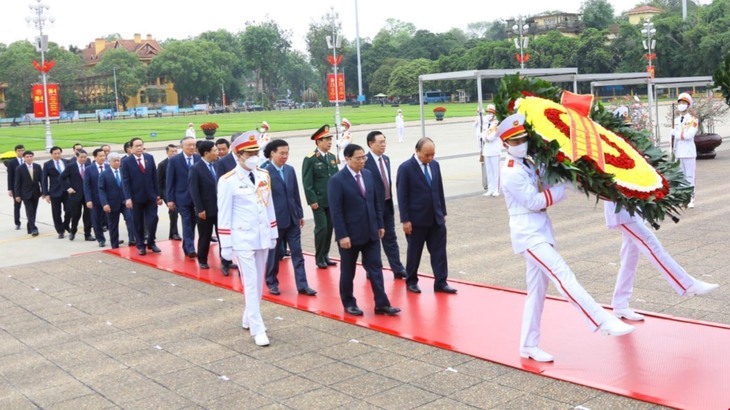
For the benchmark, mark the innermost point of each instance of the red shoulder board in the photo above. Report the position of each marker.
(511, 163)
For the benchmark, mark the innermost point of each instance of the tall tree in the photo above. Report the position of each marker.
(404, 78)
(597, 14)
(265, 48)
(130, 72)
(380, 79)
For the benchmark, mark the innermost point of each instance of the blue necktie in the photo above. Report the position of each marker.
(212, 171)
(428, 174)
(281, 174)
(190, 162)
(58, 166)
(116, 176)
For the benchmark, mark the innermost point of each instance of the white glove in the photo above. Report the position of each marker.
(227, 253)
(273, 244)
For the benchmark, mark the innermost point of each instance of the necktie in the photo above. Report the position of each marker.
(30, 169)
(81, 171)
(141, 167)
(362, 188)
(212, 171)
(385, 179)
(58, 166)
(281, 174)
(116, 176)
(101, 169)
(250, 176)
(190, 162)
(681, 119)
(428, 174)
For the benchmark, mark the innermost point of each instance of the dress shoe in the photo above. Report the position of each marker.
(233, 266)
(214, 239)
(224, 269)
(495, 194)
(131, 243)
(353, 310)
(307, 291)
(244, 325)
(699, 287)
(322, 265)
(414, 288)
(445, 289)
(274, 290)
(615, 327)
(487, 194)
(61, 236)
(71, 236)
(34, 232)
(261, 339)
(120, 242)
(386, 310)
(154, 248)
(17, 227)
(176, 237)
(141, 251)
(204, 265)
(287, 254)
(192, 255)
(628, 314)
(399, 275)
(691, 204)
(102, 244)
(89, 238)
(536, 354)
(331, 263)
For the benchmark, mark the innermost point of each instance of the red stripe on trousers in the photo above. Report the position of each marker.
(653, 255)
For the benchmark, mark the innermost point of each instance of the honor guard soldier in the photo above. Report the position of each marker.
(317, 168)
(263, 141)
(343, 139)
(683, 135)
(247, 226)
(532, 236)
(491, 149)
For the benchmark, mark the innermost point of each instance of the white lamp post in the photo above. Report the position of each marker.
(522, 40)
(334, 41)
(649, 44)
(38, 19)
(116, 96)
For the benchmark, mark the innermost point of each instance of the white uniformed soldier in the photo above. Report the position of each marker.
(263, 140)
(400, 125)
(532, 237)
(685, 128)
(491, 149)
(638, 238)
(343, 139)
(247, 225)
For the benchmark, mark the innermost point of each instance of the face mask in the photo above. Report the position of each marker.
(682, 107)
(518, 151)
(252, 162)
(490, 117)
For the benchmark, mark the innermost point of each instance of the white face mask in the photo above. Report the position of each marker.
(518, 151)
(490, 116)
(682, 107)
(252, 162)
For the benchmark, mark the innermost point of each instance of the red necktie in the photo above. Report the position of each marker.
(385, 179)
(141, 167)
(81, 170)
(359, 185)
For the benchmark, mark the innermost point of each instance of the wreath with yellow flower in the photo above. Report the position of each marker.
(587, 146)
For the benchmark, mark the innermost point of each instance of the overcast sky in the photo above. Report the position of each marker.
(79, 22)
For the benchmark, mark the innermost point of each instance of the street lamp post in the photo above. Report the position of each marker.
(649, 44)
(334, 41)
(116, 96)
(522, 40)
(360, 95)
(39, 18)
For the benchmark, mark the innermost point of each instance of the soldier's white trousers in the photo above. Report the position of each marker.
(491, 165)
(251, 266)
(638, 238)
(545, 264)
(689, 167)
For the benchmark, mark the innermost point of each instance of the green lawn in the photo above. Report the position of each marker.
(92, 133)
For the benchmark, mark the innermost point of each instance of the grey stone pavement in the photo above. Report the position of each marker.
(81, 329)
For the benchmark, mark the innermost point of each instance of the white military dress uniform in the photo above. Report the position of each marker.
(685, 128)
(638, 238)
(400, 126)
(264, 139)
(532, 236)
(247, 223)
(491, 150)
(343, 140)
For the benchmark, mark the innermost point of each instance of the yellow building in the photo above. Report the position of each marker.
(641, 13)
(158, 92)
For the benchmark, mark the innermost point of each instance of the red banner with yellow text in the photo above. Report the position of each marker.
(39, 106)
(336, 89)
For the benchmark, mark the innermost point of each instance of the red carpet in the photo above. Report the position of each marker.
(668, 361)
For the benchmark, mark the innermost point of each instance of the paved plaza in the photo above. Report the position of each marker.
(82, 329)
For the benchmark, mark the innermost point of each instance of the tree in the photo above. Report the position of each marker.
(265, 48)
(16, 70)
(380, 79)
(553, 50)
(130, 73)
(597, 14)
(596, 55)
(298, 74)
(404, 78)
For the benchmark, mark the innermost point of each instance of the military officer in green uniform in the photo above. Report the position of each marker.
(317, 169)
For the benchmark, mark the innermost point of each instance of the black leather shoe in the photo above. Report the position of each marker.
(71, 236)
(233, 266)
(17, 227)
(414, 289)
(274, 290)
(61, 236)
(399, 275)
(34, 232)
(89, 238)
(102, 244)
(224, 269)
(386, 310)
(322, 265)
(214, 239)
(154, 248)
(331, 263)
(132, 243)
(176, 237)
(446, 289)
(141, 251)
(307, 291)
(120, 242)
(204, 266)
(353, 310)
(192, 255)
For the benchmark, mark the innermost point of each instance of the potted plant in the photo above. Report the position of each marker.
(209, 129)
(439, 113)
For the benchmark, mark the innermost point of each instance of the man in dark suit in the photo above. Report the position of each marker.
(423, 214)
(53, 191)
(76, 148)
(178, 196)
(228, 162)
(111, 198)
(170, 151)
(357, 216)
(379, 165)
(72, 179)
(91, 194)
(202, 184)
(289, 218)
(11, 165)
(139, 183)
(28, 189)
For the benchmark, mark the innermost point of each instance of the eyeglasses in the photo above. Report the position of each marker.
(360, 158)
